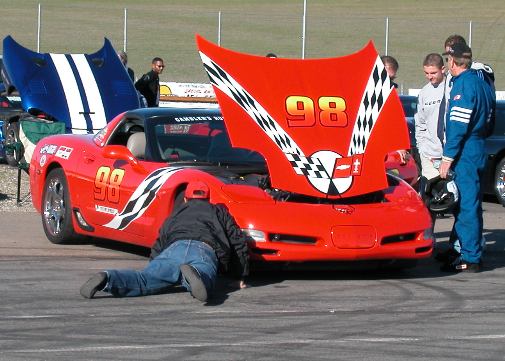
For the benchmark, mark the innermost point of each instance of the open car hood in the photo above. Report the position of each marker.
(324, 126)
(82, 90)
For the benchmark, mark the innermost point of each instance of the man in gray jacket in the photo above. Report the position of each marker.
(429, 119)
(429, 123)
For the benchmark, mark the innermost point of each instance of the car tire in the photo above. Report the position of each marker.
(56, 208)
(12, 137)
(499, 181)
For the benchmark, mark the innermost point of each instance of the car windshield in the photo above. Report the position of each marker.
(196, 139)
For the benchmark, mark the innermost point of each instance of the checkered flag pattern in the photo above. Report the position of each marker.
(142, 198)
(376, 93)
(308, 166)
(311, 167)
(224, 82)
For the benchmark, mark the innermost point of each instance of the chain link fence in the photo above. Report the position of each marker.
(333, 28)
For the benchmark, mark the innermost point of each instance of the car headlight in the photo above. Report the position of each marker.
(428, 234)
(254, 235)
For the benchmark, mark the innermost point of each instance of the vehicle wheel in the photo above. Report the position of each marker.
(56, 208)
(12, 137)
(499, 182)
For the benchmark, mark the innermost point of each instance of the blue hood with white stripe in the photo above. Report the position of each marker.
(83, 90)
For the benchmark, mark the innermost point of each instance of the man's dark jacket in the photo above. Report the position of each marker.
(148, 85)
(213, 224)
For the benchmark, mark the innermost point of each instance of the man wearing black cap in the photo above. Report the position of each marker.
(485, 72)
(470, 106)
(193, 243)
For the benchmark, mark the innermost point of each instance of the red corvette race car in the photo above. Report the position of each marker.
(300, 166)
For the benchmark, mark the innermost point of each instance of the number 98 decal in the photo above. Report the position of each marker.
(301, 111)
(107, 184)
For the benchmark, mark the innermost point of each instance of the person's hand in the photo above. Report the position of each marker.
(404, 156)
(445, 165)
(242, 284)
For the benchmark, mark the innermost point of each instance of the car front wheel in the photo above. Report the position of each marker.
(56, 208)
(499, 181)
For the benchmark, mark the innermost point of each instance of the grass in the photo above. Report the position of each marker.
(167, 28)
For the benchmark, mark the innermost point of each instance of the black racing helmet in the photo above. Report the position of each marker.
(442, 194)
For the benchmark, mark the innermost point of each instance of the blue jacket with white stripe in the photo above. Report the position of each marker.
(470, 108)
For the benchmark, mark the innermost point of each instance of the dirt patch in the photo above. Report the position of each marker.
(8, 190)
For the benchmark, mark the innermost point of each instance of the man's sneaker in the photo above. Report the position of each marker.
(447, 256)
(94, 284)
(196, 285)
(461, 266)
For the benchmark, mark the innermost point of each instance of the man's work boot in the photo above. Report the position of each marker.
(196, 285)
(94, 284)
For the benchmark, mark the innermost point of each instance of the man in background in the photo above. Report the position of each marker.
(391, 65)
(124, 59)
(149, 84)
(484, 71)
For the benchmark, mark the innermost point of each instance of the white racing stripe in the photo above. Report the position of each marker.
(459, 119)
(462, 110)
(460, 114)
(95, 103)
(141, 198)
(69, 84)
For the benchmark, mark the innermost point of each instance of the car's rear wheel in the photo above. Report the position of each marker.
(56, 208)
(11, 139)
(499, 181)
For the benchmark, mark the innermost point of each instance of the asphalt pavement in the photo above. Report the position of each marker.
(294, 314)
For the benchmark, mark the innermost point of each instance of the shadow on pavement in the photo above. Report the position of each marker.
(113, 245)
(263, 274)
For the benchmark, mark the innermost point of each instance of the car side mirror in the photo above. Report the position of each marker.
(120, 152)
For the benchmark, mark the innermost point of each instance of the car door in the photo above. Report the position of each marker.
(107, 180)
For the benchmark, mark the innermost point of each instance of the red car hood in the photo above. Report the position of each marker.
(324, 126)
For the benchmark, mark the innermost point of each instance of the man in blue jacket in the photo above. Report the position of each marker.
(470, 108)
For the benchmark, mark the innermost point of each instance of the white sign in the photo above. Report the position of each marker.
(200, 90)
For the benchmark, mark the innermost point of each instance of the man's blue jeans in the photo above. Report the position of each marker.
(163, 271)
